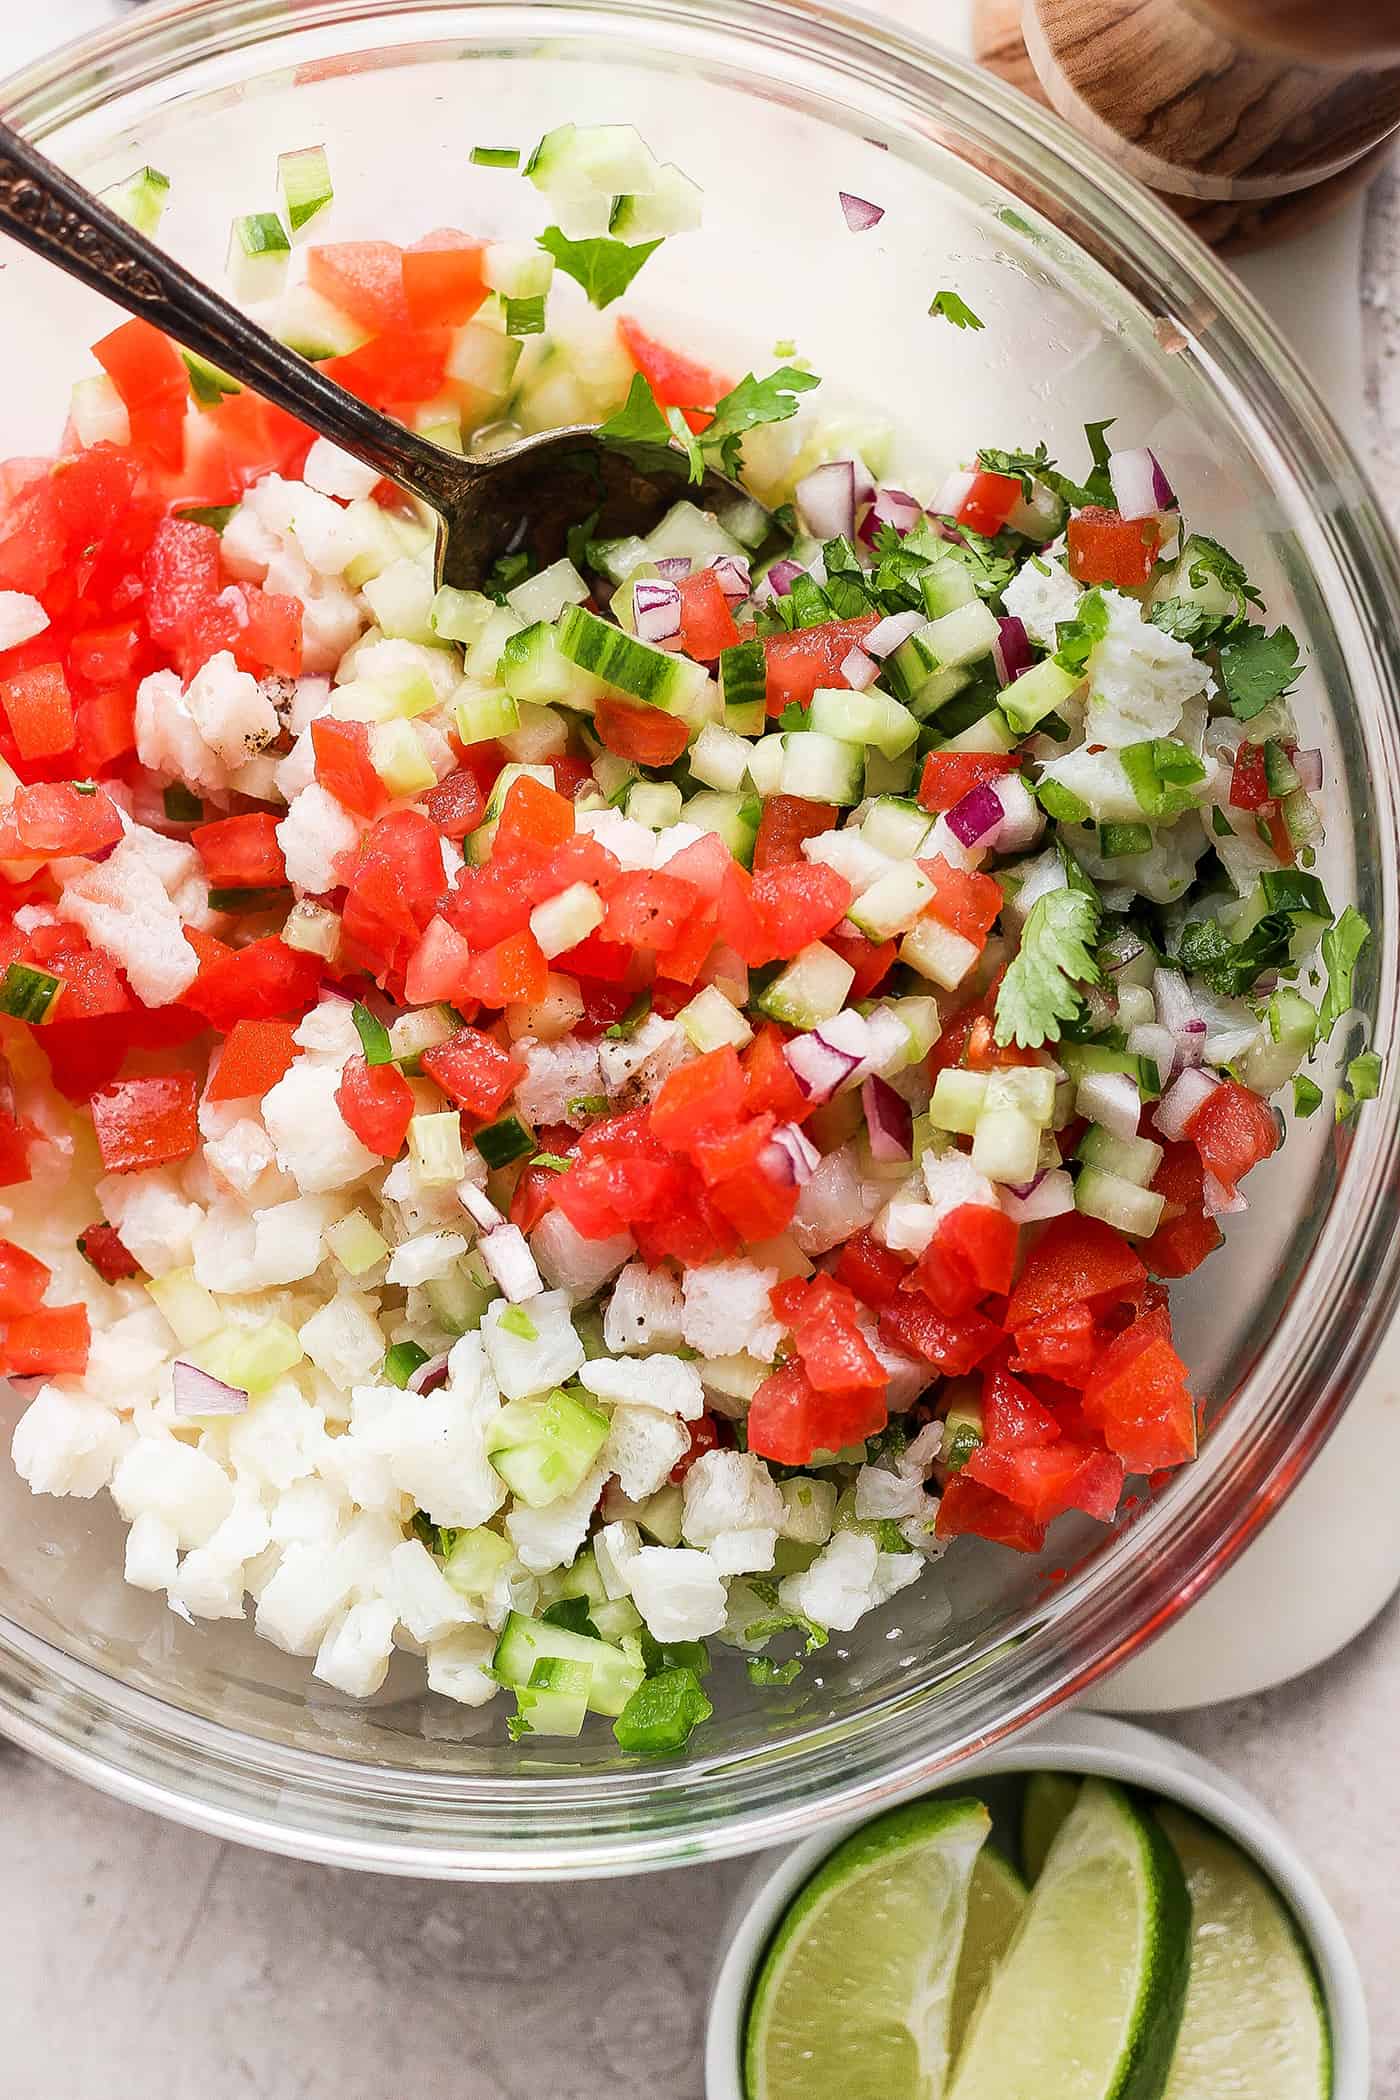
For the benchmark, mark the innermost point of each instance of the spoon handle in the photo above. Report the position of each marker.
(58, 219)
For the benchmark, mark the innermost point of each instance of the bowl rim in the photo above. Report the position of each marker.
(1095, 1746)
(349, 1811)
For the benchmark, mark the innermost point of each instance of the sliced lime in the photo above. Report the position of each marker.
(1255, 2026)
(1049, 1798)
(995, 1902)
(1087, 2003)
(853, 1998)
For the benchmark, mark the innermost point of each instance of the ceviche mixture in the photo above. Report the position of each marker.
(638, 1105)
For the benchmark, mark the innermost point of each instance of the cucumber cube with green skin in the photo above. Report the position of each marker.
(1037, 693)
(957, 1100)
(649, 675)
(946, 586)
(896, 826)
(523, 1643)
(1080, 1059)
(734, 817)
(533, 667)
(822, 768)
(1120, 1203)
(305, 180)
(928, 696)
(1290, 1027)
(810, 990)
(686, 529)
(140, 199)
(940, 955)
(864, 718)
(893, 903)
(258, 255)
(542, 1449)
(743, 682)
(1133, 1159)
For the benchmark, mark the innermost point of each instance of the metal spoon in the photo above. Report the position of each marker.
(526, 495)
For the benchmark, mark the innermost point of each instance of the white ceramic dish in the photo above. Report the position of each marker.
(1075, 1742)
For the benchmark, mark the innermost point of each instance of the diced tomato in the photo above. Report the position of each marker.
(968, 1509)
(604, 964)
(343, 766)
(266, 981)
(1279, 838)
(93, 984)
(182, 578)
(406, 365)
(1186, 1235)
(1105, 547)
(442, 281)
(735, 1148)
(676, 381)
(241, 853)
(571, 773)
(953, 1346)
(1047, 1480)
(1138, 1397)
(698, 1097)
(822, 1316)
(39, 708)
(1012, 1415)
(873, 1272)
(768, 1080)
(107, 655)
(513, 972)
(872, 961)
(1249, 784)
(707, 624)
(785, 822)
(1077, 1261)
(985, 1054)
(607, 1194)
(533, 820)
(649, 909)
(799, 903)
(988, 503)
(102, 1247)
(532, 1196)
(456, 804)
(643, 735)
(688, 1231)
(1063, 1345)
(974, 1244)
(704, 863)
(1233, 1130)
(54, 820)
(365, 279)
(963, 900)
(474, 1071)
(392, 892)
(268, 638)
(255, 1055)
(782, 1416)
(104, 730)
(50, 1343)
(439, 969)
(809, 657)
(376, 1102)
(23, 1280)
(704, 1436)
(146, 1122)
(949, 775)
(147, 371)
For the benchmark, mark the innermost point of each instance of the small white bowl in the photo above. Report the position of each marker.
(1074, 1742)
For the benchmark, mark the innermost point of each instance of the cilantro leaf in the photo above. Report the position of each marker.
(1307, 1097)
(1186, 621)
(623, 1030)
(640, 420)
(1256, 668)
(1025, 467)
(603, 267)
(795, 716)
(1341, 950)
(1228, 968)
(947, 306)
(572, 1614)
(673, 1655)
(1098, 488)
(1038, 991)
(1210, 562)
(1363, 1083)
(1076, 639)
(763, 1669)
(661, 1713)
(751, 402)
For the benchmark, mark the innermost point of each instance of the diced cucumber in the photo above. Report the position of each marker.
(485, 653)
(890, 776)
(939, 954)
(1131, 1159)
(556, 1705)
(401, 599)
(990, 732)
(1290, 1026)
(397, 755)
(720, 758)
(435, 1146)
(543, 597)
(919, 1017)
(634, 667)
(655, 803)
(959, 637)
(1037, 693)
(896, 826)
(484, 360)
(258, 255)
(812, 988)
(140, 199)
(523, 1643)
(945, 586)
(477, 1557)
(533, 667)
(308, 323)
(585, 160)
(1209, 593)
(893, 903)
(483, 713)
(615, 1618)
(710, 1021)
(957, 1101)
(517, 269)
(458, 1299)
(735, 818)
(821, 768)
(1006, 1143)
(418, 1030)
(561, 922)
(505, 781)
(618, 558)
(673, 206)
(662, 1515)
(934, 694)
(864, 718)
(1117, 1202)
(189, 1310)
(581, 1579)
(766, 763)
(1082, 1059)
(1027, 1088)
(304, 177)
(356, 1244)
(542, 1449)
(686, 529)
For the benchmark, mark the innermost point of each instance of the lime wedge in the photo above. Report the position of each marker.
(1049, 1798)
(995, 1902)
(1087, 2003)
(853, 1998)
(1255, 2026)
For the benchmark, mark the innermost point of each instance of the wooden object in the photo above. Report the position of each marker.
(1247, 144)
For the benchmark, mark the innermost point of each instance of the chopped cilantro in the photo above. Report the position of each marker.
(374, 1036)
(181, 807)
(555, 1161)
(603, 267)
(631, 1021)
(1188, 622)
(752, 402)
(1228, 968)
(795, 716)
(661, 1713)
(1341, 949)
(1038, 991)
(947, 306)
(515, 1320)
(506, 571)
(1256, 668)
(1076, 639)
(673, 1655)
(1210, 562)
(1307, 1098)
(582, 1106)
(1362, 1084)
(763, 1669)
(572, 1614)
(1025, 467)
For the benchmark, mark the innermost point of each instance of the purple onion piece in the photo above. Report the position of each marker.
(674, 567)
(894, 507)
(790, 1156)
(892, 632)
(889, 1119)
(978, 816)
(656, 609)
(1140, 488)
(783, 575)
(1308, 766)
(860, 213)
(1022, 1189)
(1050, 1195)
(196, 1393)
(825, 500)
(429, 1376)
(1161, 487)
(859, 670)
(1014, 647)
(732, 573)
(818, 1067)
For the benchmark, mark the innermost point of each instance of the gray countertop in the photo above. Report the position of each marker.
(146, 1960)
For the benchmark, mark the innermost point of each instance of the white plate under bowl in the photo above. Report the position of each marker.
(1080, 1743)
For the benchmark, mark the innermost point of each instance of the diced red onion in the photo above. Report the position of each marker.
(825, 500)
(674, 566)
(781, 578)
(1216, 1200)
(1118, 952)
(478, 1206)
(1140, 488)
(817, 1067)
(790, 1156)
(1050, 1195)
(892, 632)
(1011, 652)
(506, 1253)
(732, 572)
(895, 507)
(196, 1393)
(889, 1120)
(1176, 1006)
(833, 1204)
(1180, 1102)
(859, 670)
(953, 492)
(1110, 1099)
(1158, 1043)
(429, 1376)
(1022, 818)
(656, 609)
(860, 213)
(978, 817)
(1308, 766)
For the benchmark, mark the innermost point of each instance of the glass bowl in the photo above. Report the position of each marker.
(1096, 303)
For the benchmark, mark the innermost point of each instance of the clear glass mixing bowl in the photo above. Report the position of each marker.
(1096, 303)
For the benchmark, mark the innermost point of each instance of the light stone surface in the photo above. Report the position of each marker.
(146, 1962)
